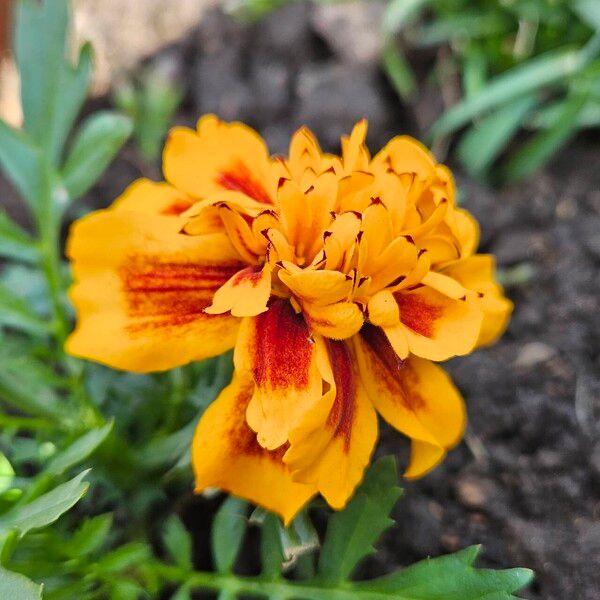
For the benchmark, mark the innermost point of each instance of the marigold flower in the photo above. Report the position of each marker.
(337, 279)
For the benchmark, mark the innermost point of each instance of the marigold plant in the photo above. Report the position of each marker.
(339, 280)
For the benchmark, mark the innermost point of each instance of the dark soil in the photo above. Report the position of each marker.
(526, 481)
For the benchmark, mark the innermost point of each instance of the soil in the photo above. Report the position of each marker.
(526, 481)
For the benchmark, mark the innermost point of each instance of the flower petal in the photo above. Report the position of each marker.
(336, 321)
(218, 156)
(226, 455)
(141, 288)
(275, 347)
(246, 294)
(316, 286)
(477, 274)
(334, 454)
(155, 198)
(414, 396)
(438, 327)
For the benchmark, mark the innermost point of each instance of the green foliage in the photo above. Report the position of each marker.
(151, 103)
(527, 68)
(349, 539)
(90, 458)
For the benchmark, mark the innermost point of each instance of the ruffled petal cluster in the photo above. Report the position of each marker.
(339, 280)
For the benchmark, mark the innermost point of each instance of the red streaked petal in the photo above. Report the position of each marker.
(226, 455)
(332, 450)
(276, 348)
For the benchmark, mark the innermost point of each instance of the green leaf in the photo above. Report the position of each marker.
(47, 508)
(271, 550)
(550, 68)
(229, 528)
(52, 90)
(28, 383)
(72, 92)
(589, 11)
(352, 532)
(79, 450)
(91, 536)
(399, 13)
(450, 577)
(398, 71)
(7, 473)
(178, 543)
(17, 587)
(17, 314)
(127, 590)
(24, 165)
(15, 243)
(96, 144)
(123, 558)
(480, 146)
(543, 145)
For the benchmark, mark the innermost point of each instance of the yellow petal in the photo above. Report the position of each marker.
(418, 408)
(354, 151)
(141, 288)
(333, 456)
(336, 321)
(276, 349)
(438, 327)
(154, 198)
(477, 273)
(316, 286)
(218, 156)
(226, 455)
(404, 154)
(246, 294)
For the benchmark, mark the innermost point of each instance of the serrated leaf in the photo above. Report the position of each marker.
(17, 587)
(352, 532)
(91, 536)
(534, 75)
(229, 528)
(178, 543)
(47, 508)
(96, 144)
(15, 243)
(127, 590)
(480, 146)
(24, 165)
(79, 450)
(450, 577)
(17, 314)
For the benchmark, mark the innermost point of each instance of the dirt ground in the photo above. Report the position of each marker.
(526, 481)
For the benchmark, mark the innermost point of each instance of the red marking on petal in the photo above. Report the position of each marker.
(417, 314)
(342, 413)
(242, 438)
(176, 208)
(389, 368)
(239, 179)
(251, 275)
(283, 352)
(167, 294)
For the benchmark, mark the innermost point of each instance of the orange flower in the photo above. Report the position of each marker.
(337, 279)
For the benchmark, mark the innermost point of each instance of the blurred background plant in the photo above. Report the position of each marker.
(519, 78)
(94, 463)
